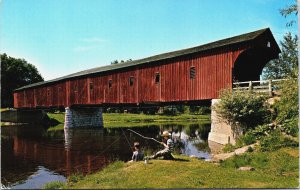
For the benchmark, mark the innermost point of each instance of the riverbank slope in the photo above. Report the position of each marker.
(277, 169)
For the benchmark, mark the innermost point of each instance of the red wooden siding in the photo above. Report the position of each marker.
(214, 66)
(213, 72)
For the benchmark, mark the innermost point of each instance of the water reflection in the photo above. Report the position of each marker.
(33, 151)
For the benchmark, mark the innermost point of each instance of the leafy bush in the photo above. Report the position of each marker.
(288, 107)
(229, 148)
(276, 140)
(290, 126)
(247, 139)
(245, 108)
(262, 130)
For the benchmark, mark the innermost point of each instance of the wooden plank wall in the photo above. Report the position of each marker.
(213, 73)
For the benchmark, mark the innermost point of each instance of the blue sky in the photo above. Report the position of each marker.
(61, 37)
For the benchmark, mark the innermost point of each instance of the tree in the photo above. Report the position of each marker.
(292, 9)
(117, 62)
(15, 73)
(287, 63)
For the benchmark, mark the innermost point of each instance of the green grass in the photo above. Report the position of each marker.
(136, 120)
(272, 171)
(54, 185)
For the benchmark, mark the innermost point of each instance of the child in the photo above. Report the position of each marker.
(138, 155)
(166, 153)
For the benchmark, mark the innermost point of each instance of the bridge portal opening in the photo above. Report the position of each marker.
(250, 63)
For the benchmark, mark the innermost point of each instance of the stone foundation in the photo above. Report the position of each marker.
(220, 131)
(83, 117)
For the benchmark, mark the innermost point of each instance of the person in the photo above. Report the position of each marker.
(166, 153)
(137, 155)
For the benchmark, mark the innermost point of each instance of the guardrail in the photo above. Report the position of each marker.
(263, 86)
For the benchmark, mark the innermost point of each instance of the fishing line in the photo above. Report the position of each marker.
(129, 144)
(144, 136)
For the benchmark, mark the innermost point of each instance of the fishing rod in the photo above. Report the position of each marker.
(144, 136)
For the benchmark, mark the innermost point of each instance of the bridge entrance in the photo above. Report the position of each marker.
(250, 63)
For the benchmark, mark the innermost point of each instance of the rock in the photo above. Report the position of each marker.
(193, 156)
(246, 168)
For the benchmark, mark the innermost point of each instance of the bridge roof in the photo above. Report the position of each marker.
(209, 46)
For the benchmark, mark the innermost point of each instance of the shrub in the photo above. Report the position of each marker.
(247, 139)
(274, 141)
(262, 130)
(204, 110)
(229, 148)
(288, 107)
(54, 185)
(245, 108)
(290, 127)
(75, 178)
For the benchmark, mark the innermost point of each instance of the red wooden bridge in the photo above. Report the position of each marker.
(187, 75)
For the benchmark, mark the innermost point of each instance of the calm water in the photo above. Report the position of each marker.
(33, 156)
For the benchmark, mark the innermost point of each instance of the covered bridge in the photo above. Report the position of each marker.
(188, 75)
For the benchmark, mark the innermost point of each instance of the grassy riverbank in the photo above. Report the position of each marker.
(277, 169)
(132, 120)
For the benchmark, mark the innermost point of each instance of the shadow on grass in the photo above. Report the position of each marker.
(180, 160)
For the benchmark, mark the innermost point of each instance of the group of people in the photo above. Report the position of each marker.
(166, 153)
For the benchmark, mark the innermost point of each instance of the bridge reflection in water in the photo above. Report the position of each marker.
(25, 149)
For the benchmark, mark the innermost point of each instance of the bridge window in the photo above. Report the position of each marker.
(109, 83)
(157, 78)
(131, 79)
(192, 72)
(48, 92)
(91, 86)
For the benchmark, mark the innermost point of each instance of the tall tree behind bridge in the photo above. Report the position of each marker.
(287, 63)
(15, 73)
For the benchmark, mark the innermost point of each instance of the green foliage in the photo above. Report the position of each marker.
(229, 148)
(186, 109)
(262, 130)
(15, 73)
(287, 63)
(204, 110)
(122, 61)
(274, 141)
(247, 159)
(278, 162)
(54, 185)
(290, 126)
(288, 106)
(75, 178)
(246, 108)
(292, 9)
(247, 139)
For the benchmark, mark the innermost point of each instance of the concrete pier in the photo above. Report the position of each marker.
(221, 132)
(83, 117)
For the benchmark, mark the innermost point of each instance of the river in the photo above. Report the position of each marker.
(32, 155)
